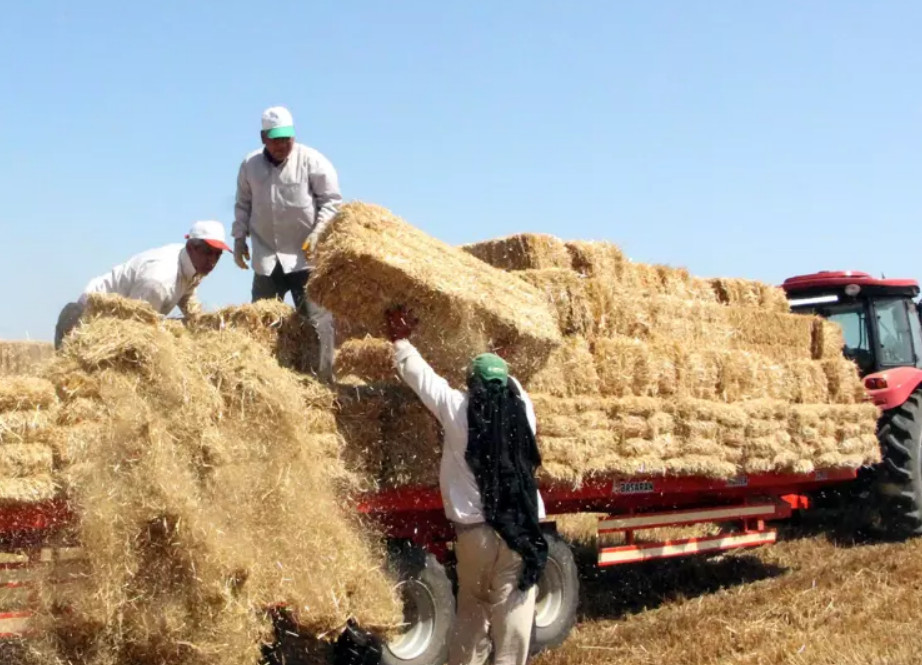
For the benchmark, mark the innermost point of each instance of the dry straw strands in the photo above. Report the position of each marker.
(23, 357)
(370, 260)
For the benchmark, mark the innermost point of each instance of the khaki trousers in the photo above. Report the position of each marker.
(491, 609)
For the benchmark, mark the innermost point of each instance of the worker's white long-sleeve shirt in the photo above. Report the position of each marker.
(279, 206)
(162, 277)
(460, 494)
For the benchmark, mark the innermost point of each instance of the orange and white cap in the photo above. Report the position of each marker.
(211, 232)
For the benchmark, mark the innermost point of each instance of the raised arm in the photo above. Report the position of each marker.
(433, 390)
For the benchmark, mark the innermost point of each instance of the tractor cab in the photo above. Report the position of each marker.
(878, 317)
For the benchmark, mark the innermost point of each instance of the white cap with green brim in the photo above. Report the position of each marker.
(278, 123)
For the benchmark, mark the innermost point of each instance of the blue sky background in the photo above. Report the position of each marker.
(752, 139)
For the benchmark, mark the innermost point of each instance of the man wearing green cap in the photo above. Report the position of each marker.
(487, 481)
(287, 193)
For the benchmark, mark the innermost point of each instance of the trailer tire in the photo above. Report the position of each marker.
(557, 597)
(899, 482)
(429, 608)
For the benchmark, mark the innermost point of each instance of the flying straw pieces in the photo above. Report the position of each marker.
(370, 260)
(23, 357)
(525, 251)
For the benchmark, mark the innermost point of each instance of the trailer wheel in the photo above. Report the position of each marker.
(557, 597)
(900, 474)
(428, 605)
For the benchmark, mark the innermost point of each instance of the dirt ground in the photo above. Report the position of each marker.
(813, 598)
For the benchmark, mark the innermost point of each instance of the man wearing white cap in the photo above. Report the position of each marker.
(287, 193)
(164, 278)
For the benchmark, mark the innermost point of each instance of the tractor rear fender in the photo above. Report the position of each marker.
(897, 385)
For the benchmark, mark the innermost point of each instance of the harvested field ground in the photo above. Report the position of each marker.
(809, 600)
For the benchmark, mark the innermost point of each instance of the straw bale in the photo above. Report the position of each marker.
(464, 305)
(413, 441)
(807, 383)
(597, 259)
(569, 371)
(524, 251)
(390, 438)
(828, 339)
(845, 386)
(700, 373)
(750, 293)
(567, 295)
(25, 426)
(79, 410)
(368, 360)
(630, 313)
(627, 366)
(113, 306)
(23, 357)
(662, 280)
(22, 460)
(33, 489)
(26, 392)
(276, 325)
(768, 330)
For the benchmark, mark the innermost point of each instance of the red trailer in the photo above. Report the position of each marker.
(421, 536)
(420, 539)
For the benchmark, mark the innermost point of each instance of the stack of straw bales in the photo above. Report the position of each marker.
(209, 484)
(665, 372)
(654, 371)
(28, 408)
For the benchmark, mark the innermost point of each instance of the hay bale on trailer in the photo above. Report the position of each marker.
(524, 251)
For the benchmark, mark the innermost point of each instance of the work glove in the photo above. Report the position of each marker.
(310, 245)
(400, 322)
(241, 253)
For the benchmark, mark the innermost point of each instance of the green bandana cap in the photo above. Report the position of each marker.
(490, 367)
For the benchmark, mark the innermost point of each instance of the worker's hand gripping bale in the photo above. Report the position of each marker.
(164, 278)
(287, 193)
(488, 486)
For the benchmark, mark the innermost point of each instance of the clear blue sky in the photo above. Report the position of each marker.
(753, 139)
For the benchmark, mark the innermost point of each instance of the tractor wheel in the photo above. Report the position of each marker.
(428, 606)
(557, 597)
(900, 474)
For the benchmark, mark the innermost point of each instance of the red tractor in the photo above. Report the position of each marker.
(883, 336)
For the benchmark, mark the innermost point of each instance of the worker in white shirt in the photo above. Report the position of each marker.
(164, 278)
(489, 491)
(287, 193)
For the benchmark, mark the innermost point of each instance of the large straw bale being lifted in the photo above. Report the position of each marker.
(370, 260)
